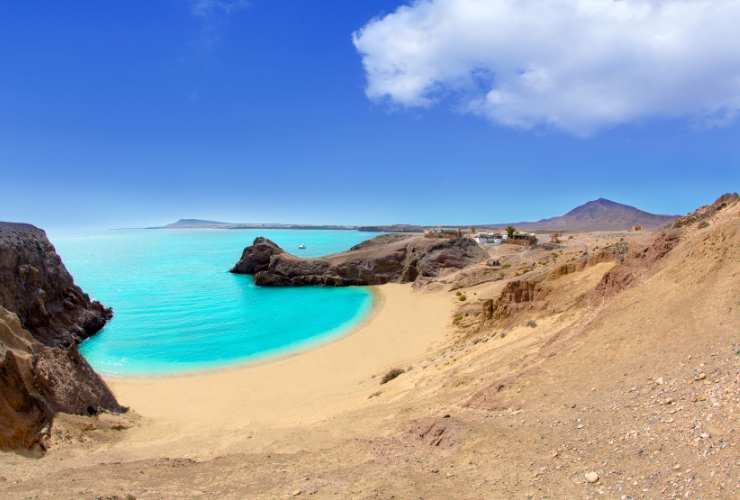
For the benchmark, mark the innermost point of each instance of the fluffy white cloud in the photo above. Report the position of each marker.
(579, 65)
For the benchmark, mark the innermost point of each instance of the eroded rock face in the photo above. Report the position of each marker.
(36, 286)
(43, 317)
(69, 384)
(385, 259)
(24, 416)
(256, 257)
(515, 296)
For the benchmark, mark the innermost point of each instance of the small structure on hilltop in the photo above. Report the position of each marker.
(488, 239)
(514, 237)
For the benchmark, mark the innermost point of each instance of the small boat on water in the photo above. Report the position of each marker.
(301, 247)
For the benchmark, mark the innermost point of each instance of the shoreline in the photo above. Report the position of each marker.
(309, 385)
(334, 335)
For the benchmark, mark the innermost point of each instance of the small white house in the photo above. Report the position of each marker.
(488, 239)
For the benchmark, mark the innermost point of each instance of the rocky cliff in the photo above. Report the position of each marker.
(384, 259)
(36, 286)
(43, 317)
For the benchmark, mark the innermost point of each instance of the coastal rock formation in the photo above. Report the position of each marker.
(384, 259)
(256, 258)
(43, 317)
(36, 286)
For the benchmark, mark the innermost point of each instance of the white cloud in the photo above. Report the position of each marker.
(578, 65)
(206, 8)
(214, 16)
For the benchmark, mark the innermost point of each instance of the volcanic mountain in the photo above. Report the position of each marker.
(599, 215)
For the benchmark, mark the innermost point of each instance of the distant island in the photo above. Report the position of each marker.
(596, 215)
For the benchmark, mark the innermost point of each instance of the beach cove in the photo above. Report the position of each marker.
(178, 310)
(301, 388)
(348, 337)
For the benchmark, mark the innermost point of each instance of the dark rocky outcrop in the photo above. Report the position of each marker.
(256, 258)
(43, 317)
(385, 259)
(36, 286)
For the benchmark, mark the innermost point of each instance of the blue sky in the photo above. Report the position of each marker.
(120, 114)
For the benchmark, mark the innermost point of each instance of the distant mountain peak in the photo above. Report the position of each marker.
(603, 202)
(600, 215)
(601, 205)
(608, 202)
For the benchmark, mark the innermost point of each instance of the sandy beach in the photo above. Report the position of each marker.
(302, 388)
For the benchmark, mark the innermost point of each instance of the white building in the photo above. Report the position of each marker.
(487, 239)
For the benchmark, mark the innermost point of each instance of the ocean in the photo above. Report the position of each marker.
(177, 309)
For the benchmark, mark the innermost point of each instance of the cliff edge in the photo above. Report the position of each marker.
(43, 317)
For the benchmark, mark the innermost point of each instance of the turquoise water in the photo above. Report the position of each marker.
(177, 309)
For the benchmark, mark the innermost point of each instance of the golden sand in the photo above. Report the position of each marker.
(301, 388)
